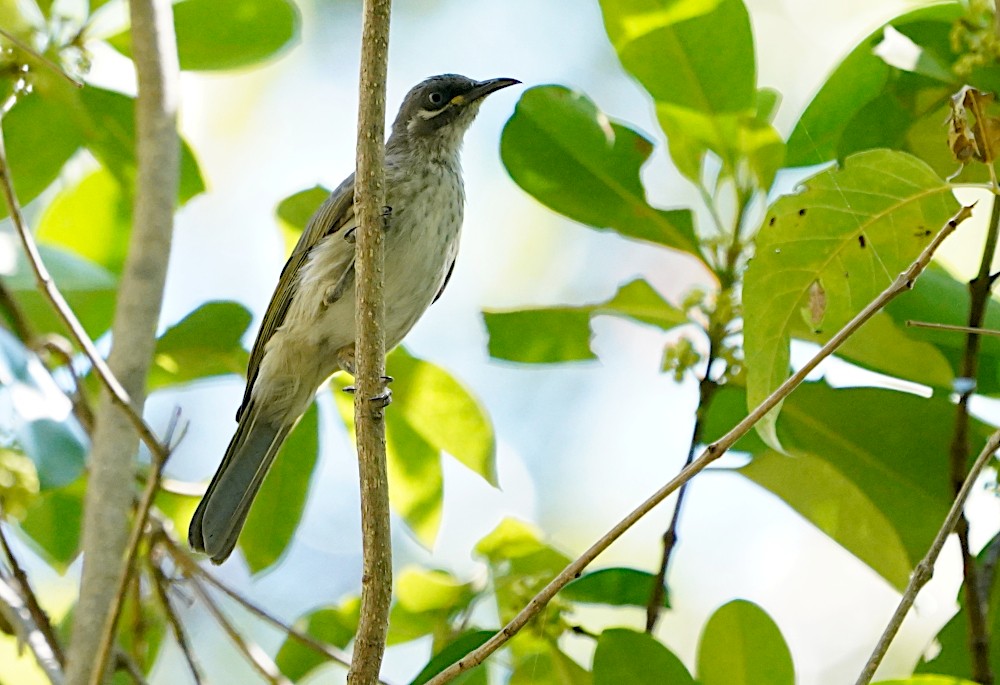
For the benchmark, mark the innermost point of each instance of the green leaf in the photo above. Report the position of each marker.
(295, 211)
(53, 524)
(829, 250)
(562, 334)
(457, 649)
(93, 219)
(443, 412)
(431, 412)
(205, 343)
(426, 603)
(275, 514)
(867, 103)
(215, 35)
(107, 121)
(521, 564)
(615, 587)
(741, 645)
(671, 47)
(547, 665)
(40, 137)
(567, 154)
(90, 290)
(42, 424)
(880, 493)
(627, 656)
(333, 625)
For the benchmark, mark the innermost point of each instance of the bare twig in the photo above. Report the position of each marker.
(925, 569)
(15, 612)
(252, 652)
(161, 588)
(975, 601)
(183, 559)
(124, 662)
(954, 329)
(59, 347)
(369, 200)
(706, 390)
(23, 587)
(902, 283)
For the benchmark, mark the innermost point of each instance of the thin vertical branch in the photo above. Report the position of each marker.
(901, 284)
(161, 586)
(976, 599)
(108, 503)
(369, 198)
(925, 569)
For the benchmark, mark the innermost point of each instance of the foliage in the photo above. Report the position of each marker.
(867, 466)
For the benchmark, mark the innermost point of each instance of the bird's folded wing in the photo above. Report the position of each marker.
(336, 212)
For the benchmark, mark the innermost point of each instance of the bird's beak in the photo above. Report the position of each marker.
(482, 89)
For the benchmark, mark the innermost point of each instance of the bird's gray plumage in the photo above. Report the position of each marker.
(308, 331)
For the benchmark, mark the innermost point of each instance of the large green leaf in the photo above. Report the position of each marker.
(205, 343)
(615, 587)
(562, 334)
(40, 137)
(627, 656)
(443, 412)
(880, 492)
(431, 413)
(213, 35)
(567, 154)
(928, 679)
(277, 510)
(823, 254)
(672, 48)
(741, 645)
(867, 103)
(426, 603)
(92, 219)
(546, 664)
(333, 625)
(106, 120)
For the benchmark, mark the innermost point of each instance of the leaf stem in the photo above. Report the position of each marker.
(901, 284)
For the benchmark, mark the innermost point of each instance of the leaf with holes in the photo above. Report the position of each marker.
(851, 231)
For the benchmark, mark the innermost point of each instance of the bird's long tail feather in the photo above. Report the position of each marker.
(223, 510)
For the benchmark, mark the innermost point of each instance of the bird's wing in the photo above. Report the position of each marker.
(333, 215)
(444, 285)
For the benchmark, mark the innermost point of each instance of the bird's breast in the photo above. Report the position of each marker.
(420, 244)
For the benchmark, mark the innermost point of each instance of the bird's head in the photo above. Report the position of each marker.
(443, 107)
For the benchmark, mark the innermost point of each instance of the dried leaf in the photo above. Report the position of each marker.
(816, 306)
(972, 133)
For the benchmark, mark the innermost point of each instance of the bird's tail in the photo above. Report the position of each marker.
(219, 518)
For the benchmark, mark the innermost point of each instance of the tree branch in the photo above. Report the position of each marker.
(925, 569)
(975, 600)
(110, 496)
(369, 200)
(902, 283)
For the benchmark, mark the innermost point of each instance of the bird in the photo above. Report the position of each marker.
(308, 331)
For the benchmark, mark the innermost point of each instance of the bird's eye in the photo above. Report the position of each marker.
(436, 98)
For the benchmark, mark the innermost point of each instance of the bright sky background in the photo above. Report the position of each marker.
(579, 445)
